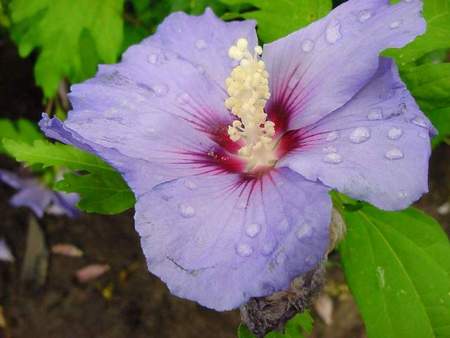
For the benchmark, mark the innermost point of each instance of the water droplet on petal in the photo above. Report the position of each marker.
(252, 230)
(268, 247)
(200, 44)
(402, 195)
(183, 98)
(153, 58)
(304, 230)
(200, 69)
(424, 134)
(160, 90)
(283, 226)
(332, 136)
(394, 154)
(281, 258)
(307, 45)
(190, 185)
(186, 210)
(333, 158)
(395, 24)
(244, 250)
(333, 32)
(309, 260)
(329, 149)
(395, 133)
(418, 121)
(375, 114)
(364, 16)
(360, 135)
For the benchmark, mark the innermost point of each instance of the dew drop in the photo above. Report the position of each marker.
(283, 226)
(360, 135)
(281, 258)
(244, 250)
(183, 98)
(190, 185)
(186, 210)
(332, 136)
(424, 134)
(380, 277)
(418, 121)
(307, 45)
(304, 231)
(395, 24)
(394, 154)
(364, 16)
(153, 58)
(402, 195)
(329, 149)
(333, 32)
(375, 114)
(309, 260)
(333, 158)
(268, 248)
(200, 44)
(395, 133)
(252, 230)
(200, 69)
(160, 90)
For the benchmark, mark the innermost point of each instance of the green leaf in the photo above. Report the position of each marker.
(101, 189)
(71, 36)
(103, 194)
(397, 265)
(279, 18)
(20, 130)
(430, 85)
(441, 120)
(301, 324)
(437, 15)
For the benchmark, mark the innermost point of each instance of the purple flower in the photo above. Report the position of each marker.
(34, 195)
(231, 157)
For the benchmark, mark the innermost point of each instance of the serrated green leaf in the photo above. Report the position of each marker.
(437, 15)
(101, 189)
(299, 325)
(60, 29)
(279, 18)
(103, 194)
(397, 265)
(20, 130)
(430, 85)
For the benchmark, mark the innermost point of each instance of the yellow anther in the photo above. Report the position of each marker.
(248, 90)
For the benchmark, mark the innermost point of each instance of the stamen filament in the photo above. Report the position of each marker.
(248, 90)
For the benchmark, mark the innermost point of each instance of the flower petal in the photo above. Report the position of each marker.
(219, 240)
(375, 148)
(11, 179)
(319, 68)
(203, 40)
(34, 197)
(156, 111)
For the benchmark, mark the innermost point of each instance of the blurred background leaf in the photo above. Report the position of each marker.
(101, 188)
(71, 37)
(279, 18)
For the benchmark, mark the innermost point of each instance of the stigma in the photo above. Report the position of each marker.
(248, 90)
